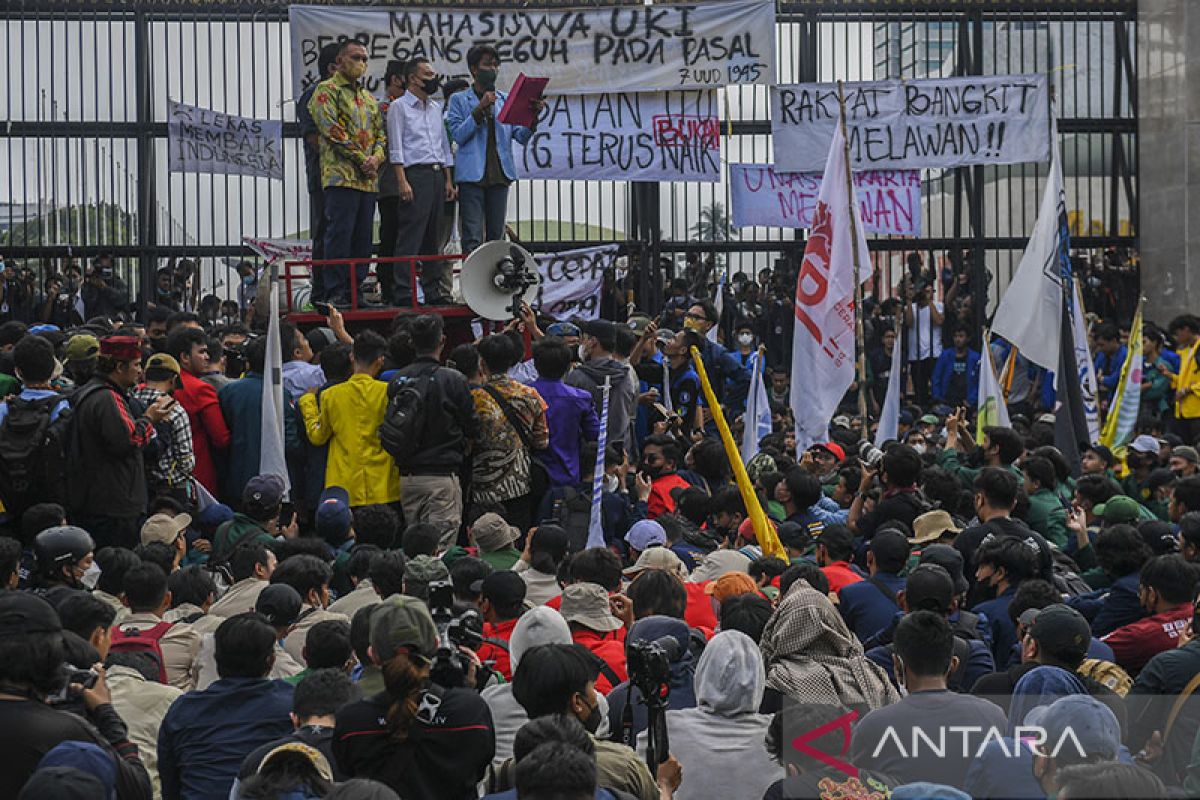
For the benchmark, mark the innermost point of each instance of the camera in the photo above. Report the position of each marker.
(84, 677)
(455, 629)
(649, 666)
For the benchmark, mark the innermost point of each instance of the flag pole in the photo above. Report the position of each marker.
(860, 360)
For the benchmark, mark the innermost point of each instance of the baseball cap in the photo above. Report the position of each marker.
(949, 559)
(1120, 509)
(1046, 419)
(604, 332)
(164, 528)
(929, 587)
(833, 448)
(402, 621)
(562, 329)
(333, 518)
(86, 757)
(163, 361)
(638, 323)
(644, 534)
(262, 495)
(1186, 452)
(730, 585)
(1092, 724)
(492, 533)
(314, 756)
(1105, 454)
(930, 419)
(660, 558)
(586, 603)
(889, 545)
(420, 571)
(121, 348)
(82, 347)
(1159, 536)
(840, 421)
(280, 604)
(503, 588)
(664, 335)
(64, 783)
(1058, 628)
(793, 535)
(24, 613)
(836, 537)
(1144, 444)
(932, 525)
(715, 564)
(905, 418)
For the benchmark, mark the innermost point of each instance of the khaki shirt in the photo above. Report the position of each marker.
(142, 705)
(309, 616)
(205, 671)
(363, 595)
(180, 645)
(240, 598)
(206, 623)
(114, 601)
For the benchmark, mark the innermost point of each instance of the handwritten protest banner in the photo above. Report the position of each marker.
(889, 201)
(199, 140)
(571, 281)
(637, 136)
(598, 49)
(942, 122)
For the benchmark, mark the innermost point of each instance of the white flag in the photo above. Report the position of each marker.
(719, 302)
(992, 408)
(596, 518)
(889, 415)
(823, 340)
(757, 419)
(1030, 313)
(271, 459)
(1087, 368)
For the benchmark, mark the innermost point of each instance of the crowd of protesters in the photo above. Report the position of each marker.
(413, 610)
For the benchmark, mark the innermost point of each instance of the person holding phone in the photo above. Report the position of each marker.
(171, 472)
(484, 164)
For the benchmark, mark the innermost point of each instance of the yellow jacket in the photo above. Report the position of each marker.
(348, 419)
(1188, 378)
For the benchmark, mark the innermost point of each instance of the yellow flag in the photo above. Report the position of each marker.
(764, 531)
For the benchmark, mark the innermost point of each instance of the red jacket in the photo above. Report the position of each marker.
(840, 574)
(611, 649)
(1138, 642)
(660, 501)
(699, 612)
(209, 431)
(499, 655)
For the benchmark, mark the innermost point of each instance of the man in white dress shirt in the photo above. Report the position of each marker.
(419, 150)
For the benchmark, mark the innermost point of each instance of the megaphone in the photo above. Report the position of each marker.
(496, 278)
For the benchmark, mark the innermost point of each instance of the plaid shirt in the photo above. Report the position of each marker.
(351, 131)
(177, 459)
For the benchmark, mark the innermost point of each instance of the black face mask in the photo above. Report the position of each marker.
(594, 718)
(653, 471)
(432, 85)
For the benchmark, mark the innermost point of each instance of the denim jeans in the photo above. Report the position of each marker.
(349, 224)
(482, 213)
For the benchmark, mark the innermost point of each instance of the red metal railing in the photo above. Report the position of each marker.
(294, 271)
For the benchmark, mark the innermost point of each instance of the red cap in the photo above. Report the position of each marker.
(834, 448)
(121, 348)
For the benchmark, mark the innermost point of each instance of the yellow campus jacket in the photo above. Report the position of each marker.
(348, 419)
(1188, 378)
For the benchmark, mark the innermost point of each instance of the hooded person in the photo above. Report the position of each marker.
(1041, 686)
(719, 742)
(812, 657)
(538, 626)
(674, 636)
(596, 348)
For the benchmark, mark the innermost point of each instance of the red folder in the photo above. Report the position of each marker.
(517, 108)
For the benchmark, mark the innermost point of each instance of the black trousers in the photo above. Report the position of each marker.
(419, 234)
(389, 226)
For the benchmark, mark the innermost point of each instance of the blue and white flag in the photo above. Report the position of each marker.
(756, 422)
(596, 523)
(271, 459)
(889, 415)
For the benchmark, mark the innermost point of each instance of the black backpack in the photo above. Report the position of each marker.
(409, 400)
(573, 513)
(33, 453)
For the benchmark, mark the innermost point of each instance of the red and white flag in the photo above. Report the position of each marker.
(823, 340)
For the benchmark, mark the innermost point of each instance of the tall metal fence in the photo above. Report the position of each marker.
(83, 167)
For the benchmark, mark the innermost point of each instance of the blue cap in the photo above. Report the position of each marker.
(333, 518)
(213, 516)
(43, 328)
(85, 757)
(906, 418)
(1091, 724)
(928, 791)
(644, 534)
(562, 329)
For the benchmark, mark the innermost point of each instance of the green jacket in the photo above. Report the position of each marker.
(951, 460)
(239, 529)
(1048, 517)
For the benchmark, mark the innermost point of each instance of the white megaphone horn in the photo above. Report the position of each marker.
(497, 278)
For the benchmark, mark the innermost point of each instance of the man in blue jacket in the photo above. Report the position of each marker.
(484, 163)
(956, 373)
